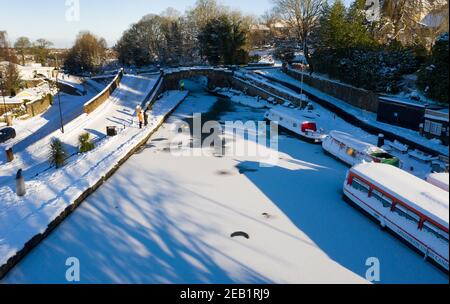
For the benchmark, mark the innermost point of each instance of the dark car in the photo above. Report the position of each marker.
(6, 134)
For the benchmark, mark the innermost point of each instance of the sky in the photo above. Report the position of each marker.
(57, 20)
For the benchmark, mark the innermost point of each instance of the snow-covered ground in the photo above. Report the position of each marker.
(51, 192)
(168, 219)
(33, 129)
(361, 114)
(117, 111)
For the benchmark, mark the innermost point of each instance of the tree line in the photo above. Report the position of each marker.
(372, 52)
(208, 33)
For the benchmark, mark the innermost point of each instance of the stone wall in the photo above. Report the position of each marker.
(101, 97)
(8, 107)
(39, 106)
(356, 97)
(216, 77)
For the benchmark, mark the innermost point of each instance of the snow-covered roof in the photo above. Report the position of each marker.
(420, 195)
(437, 114)
(354, 143)
(440, 180)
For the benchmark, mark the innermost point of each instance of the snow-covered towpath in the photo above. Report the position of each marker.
(168, 219)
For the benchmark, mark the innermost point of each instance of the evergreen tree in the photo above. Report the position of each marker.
(223, 40)
(433, 77)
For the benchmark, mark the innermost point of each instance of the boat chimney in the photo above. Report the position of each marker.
(380, 140)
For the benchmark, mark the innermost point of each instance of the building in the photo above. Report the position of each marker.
(436, 125)
(402, 113)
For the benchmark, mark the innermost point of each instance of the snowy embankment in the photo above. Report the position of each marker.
(239, 97)
(364, 116)
(55, 193)
(33, 129)
(94, 84)
(117, 111)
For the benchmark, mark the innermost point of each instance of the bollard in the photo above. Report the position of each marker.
(380, 140)
(145, 118)
(421, 129)
(111, 131)
(9, 154)
(9, 120)
(20, 184)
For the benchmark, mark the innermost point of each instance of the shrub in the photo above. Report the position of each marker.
(85, 143)
(433, 77)
(58, 153)
(50, 98)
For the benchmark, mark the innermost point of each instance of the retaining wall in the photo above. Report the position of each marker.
(101, 97)
(39, 106)
(356, 97)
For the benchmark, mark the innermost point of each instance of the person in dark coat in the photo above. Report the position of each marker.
(146, 118)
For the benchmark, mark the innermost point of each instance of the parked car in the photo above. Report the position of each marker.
(6, 134)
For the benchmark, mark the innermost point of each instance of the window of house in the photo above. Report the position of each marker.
(434, 128)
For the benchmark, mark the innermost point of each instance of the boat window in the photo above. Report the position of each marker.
(382, 155)
(386, 201)
(360, 185)
(295, 125)
(436, 231)
(405, 213)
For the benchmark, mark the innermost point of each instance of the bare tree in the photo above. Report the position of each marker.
(22, 45)
(302, 17)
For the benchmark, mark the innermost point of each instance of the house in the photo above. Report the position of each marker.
(400, 112)
(436, 124)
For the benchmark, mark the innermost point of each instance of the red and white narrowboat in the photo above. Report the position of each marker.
(414, 210)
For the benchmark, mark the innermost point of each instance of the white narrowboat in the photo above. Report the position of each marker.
(414, 210)
(296, 121)
(353, 151)
(440, 180)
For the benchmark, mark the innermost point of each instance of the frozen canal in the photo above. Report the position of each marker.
(164, 218)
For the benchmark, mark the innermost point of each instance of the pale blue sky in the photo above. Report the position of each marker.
(105, 18)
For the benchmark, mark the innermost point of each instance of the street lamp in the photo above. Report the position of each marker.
(59, 103)
(2, 83)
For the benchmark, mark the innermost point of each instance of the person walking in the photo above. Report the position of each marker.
(140, 116)
(146, 118)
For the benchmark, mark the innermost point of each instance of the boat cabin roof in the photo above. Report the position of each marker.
(426, 198)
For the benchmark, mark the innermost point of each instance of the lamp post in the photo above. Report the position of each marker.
(59, 103)
(2, 84)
